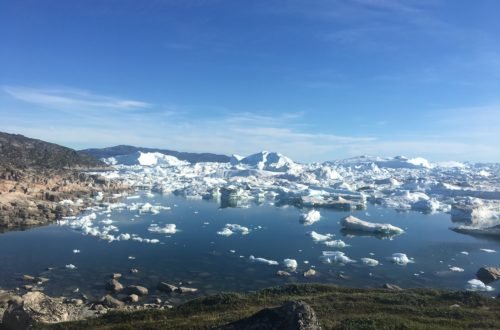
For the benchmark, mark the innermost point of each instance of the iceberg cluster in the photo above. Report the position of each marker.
(470, 191)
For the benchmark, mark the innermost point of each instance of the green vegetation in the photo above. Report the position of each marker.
(336, 308)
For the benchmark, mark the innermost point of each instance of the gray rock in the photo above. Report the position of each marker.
(138, 290)
(36, 307)
(111, 302)
(165, 287)
(114, 286)
(488, 274)
(133, 298)
(291, 315)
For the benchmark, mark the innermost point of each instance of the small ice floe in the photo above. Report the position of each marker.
(336, 244)
(230, 229)
(76, 290)
(153, 209)
(456, 269)
(464, 253)
(70, 266)
(133, 197)
(310, 217)
(124, 237)
(355, 224)
(400, 259)
(168, 229)
(206, 223)
(488, 250)
(319, 237)
(290, 264)
(76, 251)
(149, 194)
(106, 221)
(232, 251)
(336, 257)
(369, 262)
(195, 212)
(477, 285)
(263, 261)
(131, 257)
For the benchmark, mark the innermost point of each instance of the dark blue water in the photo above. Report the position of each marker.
(198, 256)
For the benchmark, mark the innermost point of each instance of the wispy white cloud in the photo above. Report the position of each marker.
(449, 134)
(68, 99)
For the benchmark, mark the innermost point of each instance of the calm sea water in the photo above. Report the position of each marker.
(198, 257)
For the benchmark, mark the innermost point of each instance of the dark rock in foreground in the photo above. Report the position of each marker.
(488, 274)
(293, 315)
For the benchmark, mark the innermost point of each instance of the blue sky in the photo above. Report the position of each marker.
(315, 80)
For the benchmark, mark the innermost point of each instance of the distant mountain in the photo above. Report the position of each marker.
(127, 150)
(21, 152)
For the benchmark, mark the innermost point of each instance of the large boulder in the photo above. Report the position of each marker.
(114, 286)
(138, 290)
(111, 302)
(35, 307)
(488, 274)
(293, 315)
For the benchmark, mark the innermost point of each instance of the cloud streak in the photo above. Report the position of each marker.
(68, 99)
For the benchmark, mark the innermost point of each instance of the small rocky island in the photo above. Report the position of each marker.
(41, 182)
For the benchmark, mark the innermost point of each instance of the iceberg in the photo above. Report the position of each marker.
(168, 229)
(230, 229)
(336, 244)
(338, 257)
(290, 264)
(310, 217)
(369, 262)
(263, 261)
(400, 259)
(477, 285)
(319, 237)
(355, 224)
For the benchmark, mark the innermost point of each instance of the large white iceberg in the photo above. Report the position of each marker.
(355, 224)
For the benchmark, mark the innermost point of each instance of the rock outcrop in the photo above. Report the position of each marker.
(35, 307)
(488, 274)
(293, 315)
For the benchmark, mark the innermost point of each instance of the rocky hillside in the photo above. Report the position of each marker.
(36, 176)
(127, 150)
(18, 151)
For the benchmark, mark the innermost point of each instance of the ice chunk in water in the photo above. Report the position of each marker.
(319, 237)
(400, 259)
(310, 217)
(336, 244)
(353, 223)
(477, 285)
(70, 266)
(168, 229)
(290, 264)
(230, 229)
(263, 261)
(335, 257)
(369, 262)
(456, 269)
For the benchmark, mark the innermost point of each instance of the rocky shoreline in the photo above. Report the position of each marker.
(38, 196)
(28, 305)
